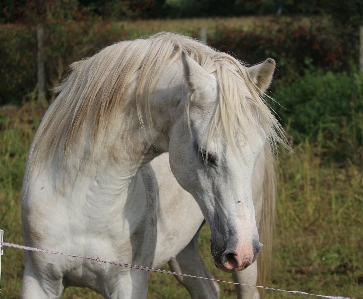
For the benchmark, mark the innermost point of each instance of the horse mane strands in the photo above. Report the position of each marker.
(236, 112)
(100, 87)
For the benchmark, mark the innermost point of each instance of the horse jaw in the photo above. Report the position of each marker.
(261, 74)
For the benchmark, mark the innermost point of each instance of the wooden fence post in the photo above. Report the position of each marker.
(203, 35)
(40, 65)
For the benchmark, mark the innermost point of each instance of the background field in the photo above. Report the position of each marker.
(318, 245)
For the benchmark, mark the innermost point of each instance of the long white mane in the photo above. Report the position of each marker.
(99, 87)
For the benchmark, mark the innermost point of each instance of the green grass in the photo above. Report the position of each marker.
(318, 246)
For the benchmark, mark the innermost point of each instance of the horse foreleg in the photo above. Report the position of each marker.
(35, 287)
(247, 276)
(131, 284)
(189, 261)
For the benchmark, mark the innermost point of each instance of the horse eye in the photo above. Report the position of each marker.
(207, 159)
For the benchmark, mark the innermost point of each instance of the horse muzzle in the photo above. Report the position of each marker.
(236, 260)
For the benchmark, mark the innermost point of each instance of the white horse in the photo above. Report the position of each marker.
(90, 190)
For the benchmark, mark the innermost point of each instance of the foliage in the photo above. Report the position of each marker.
(18, 63)
(297, 45)
(39, 11)
(326, 107)
(32, 12)
(121, 9)
(9, 10)
(64, 42)
(69, 35)
(343, 12)
(72, 41)
(202, 8)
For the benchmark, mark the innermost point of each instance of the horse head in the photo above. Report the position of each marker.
(215, 163)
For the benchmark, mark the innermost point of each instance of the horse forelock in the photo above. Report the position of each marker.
(241, 107)
(102, 87)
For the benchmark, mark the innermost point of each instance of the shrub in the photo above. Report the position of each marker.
(326, 108)
(297, 47)
(18, 62)
(64, 43)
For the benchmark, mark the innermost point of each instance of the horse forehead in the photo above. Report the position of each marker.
(200, 117)
(209, 95)
(249, 137)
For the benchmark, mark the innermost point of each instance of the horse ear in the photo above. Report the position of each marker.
(261, 74)
(196, 77)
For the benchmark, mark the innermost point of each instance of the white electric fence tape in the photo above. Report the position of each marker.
(148, 269)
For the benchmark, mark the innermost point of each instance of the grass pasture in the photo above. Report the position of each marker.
(318, 246)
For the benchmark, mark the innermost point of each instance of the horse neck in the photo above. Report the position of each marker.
(131, 142)
(158, 112)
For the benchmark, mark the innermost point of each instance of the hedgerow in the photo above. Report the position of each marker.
(297, 47)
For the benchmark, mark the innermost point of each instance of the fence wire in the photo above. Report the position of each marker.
(149, 269)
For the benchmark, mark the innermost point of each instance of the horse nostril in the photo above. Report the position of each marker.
(231, 259)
